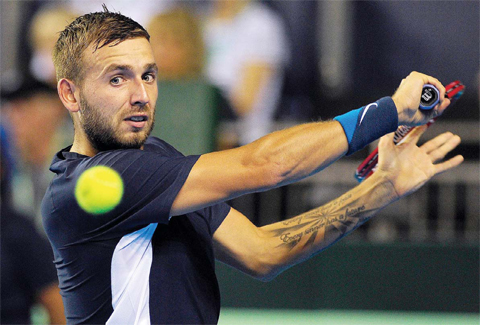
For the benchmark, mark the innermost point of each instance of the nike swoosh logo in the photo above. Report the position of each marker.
(365, 111)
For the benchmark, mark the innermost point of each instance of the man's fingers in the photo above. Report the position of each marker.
(436, 142)
(437, 84)
(440, 153)
(440, 108)
(449, 164)
(442, 144)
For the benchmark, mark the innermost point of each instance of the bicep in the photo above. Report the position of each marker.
(220, 176)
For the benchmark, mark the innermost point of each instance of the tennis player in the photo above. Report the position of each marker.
(151, 259)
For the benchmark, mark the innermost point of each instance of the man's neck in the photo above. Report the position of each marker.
(83, 149)
(86, 148)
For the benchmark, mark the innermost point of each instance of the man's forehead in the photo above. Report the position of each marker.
(152, 66)
(133, 46)
(129, 53)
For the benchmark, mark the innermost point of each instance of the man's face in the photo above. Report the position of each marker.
(118, 95)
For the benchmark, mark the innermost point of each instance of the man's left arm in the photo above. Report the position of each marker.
(267, 251)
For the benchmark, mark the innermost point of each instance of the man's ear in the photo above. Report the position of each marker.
(66, 91)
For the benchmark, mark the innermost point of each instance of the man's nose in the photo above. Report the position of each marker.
(139, 94)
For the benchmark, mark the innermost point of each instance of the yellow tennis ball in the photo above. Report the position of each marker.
(99, 189)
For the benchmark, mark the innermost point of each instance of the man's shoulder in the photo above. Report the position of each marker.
(162, 147)
(65, 159)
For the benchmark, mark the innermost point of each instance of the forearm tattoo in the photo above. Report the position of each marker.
(332, 222)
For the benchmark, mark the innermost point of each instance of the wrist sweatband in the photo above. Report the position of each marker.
(369, 123)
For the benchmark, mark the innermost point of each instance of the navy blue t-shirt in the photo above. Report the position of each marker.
(133, 264)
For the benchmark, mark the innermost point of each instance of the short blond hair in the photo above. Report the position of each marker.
(98, 29)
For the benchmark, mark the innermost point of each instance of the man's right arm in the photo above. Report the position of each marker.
(286, 156)
(277, 159)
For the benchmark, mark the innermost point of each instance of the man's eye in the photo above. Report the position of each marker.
(115, 81)
(149, 77)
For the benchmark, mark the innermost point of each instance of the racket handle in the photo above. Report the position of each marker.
(430, 97)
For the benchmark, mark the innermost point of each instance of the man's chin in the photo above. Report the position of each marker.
(133, 142)
(138, 139)
(104, 139)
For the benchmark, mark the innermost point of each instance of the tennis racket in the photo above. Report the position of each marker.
(430, 97)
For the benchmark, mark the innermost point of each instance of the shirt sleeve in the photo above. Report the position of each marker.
(151, 182)
(215, 215)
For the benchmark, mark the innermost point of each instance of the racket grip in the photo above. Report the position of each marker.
(430, 97)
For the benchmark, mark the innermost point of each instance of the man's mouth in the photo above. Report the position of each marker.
(137, 121)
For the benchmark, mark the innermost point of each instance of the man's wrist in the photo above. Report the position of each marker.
(399, 106)
(384, 192)
(368, 123)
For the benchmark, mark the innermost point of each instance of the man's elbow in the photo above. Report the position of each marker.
(275, 174)
(265, 161)
(266, 274)
(269, 172)
(266, 269)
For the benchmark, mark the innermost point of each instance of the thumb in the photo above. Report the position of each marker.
(386, 141)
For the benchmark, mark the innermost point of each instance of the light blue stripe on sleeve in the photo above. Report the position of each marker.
(349, 122)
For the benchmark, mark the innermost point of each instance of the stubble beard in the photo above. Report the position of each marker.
(102, 135)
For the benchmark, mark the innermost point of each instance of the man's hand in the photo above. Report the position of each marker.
(408, 166)
(407, 99)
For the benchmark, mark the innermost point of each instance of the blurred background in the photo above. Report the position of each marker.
(231, 71)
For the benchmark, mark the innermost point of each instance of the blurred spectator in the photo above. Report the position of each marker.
(43, 34)
(34, 116)
(177, 43)
(139, 10)
(28, 275)
(247, 56)
(188, 104)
